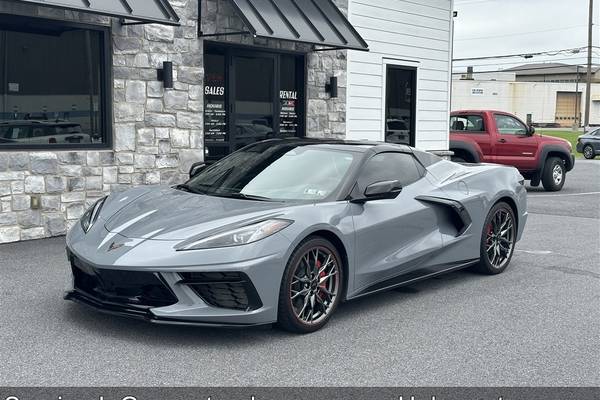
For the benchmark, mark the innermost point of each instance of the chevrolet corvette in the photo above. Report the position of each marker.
(284, 231)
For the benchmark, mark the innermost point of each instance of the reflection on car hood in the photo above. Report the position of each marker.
(168, 214)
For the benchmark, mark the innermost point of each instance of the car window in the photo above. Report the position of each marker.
(389, 167)
(467, 123)
(508, 125)
(277, 172)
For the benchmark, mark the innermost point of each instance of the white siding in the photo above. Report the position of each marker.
(415, 33)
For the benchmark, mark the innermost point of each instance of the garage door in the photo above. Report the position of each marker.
(567, 107)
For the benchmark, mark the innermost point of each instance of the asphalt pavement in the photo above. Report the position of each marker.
(538, 324)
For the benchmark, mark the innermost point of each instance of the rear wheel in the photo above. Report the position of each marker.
(554, 175)
(312, 286)
(588, 152)
(497, 240)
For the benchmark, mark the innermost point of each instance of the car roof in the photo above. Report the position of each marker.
(360, 146)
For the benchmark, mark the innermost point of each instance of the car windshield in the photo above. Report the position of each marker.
(276, 172)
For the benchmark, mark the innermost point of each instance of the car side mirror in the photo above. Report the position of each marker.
(196, 169)
(380, 191)
(531, 131)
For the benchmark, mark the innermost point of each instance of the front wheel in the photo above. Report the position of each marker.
(554, 175)
(312, 286)
(588, 152)
(498, 240)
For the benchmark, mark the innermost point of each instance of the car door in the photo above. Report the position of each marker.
(392, 236)
(473, 127)
(513, 145)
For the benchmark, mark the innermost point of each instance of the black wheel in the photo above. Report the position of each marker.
(458, 159)
(497, 240)
(312, 286)
(588, 152)
(554, 175)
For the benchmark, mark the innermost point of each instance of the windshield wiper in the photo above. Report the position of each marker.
(243, 196)
(187, 188)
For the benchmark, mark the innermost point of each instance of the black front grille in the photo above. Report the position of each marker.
(128, 288)
(232, 290)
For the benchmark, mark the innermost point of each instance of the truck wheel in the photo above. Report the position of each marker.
(588, 152)
(554, 175)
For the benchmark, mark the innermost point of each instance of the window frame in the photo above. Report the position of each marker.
(106, 87)
(413, 66)
(468, 132)
(496, 115)
(422, 171)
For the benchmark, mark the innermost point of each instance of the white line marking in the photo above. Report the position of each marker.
(563, 195)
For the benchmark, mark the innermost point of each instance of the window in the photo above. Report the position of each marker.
(52, 84)
(467, 123)
(508, 125)
(250, 96)
(390, 167)
(400, 105)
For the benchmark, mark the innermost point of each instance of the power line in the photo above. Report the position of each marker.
(525, 55)
(525, 62)
(527, 69)
(521, 34)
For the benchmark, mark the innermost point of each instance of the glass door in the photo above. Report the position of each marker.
(250, 96)
(253, 99)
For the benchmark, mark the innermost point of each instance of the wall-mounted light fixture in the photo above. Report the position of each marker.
(165, 74)
(332, 87)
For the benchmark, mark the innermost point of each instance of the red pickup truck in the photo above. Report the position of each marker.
(498, 137)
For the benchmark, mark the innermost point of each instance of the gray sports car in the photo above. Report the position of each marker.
(283, 231)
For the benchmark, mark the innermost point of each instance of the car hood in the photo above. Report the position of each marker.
(555, 140)
(164, 213)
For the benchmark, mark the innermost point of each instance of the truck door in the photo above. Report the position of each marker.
(513, 145)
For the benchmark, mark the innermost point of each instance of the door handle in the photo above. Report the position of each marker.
(502, 140)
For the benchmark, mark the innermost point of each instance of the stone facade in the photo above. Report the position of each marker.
(157, 133)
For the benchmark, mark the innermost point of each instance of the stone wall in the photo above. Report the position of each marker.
(157, 133)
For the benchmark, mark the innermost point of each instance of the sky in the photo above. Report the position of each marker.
(498, 27)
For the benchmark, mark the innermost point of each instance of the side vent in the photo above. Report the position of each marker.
(456, 211)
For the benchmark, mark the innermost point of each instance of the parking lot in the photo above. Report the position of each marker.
(535, 325)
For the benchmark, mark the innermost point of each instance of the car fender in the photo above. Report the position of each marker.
(471, 148)
(553, 148)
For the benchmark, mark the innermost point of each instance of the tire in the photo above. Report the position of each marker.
(588, 152)
(306, 302)
(554, 175)
(498, 240)
(458, 159)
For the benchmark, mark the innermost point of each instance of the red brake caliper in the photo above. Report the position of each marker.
(323, 285)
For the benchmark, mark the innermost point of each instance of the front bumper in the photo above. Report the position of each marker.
(180, 291)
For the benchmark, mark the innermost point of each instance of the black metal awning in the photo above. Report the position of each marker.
(317, 22)
(140, 11)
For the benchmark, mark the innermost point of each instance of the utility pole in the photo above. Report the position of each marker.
(588, 93)
(577, 103)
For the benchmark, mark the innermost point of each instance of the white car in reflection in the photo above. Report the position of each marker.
(42, 132)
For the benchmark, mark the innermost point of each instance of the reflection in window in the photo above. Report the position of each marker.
(400, 105)
(51, 84)
(509, 126)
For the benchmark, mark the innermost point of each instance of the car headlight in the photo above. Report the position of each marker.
(237, 237)
(91, 215)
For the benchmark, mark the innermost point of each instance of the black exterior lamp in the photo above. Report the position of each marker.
(332, 87)
(165, 74)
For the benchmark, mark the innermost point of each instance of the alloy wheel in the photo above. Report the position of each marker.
(315, 285)
(557, 174)
(588, 152)
(500, 238)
